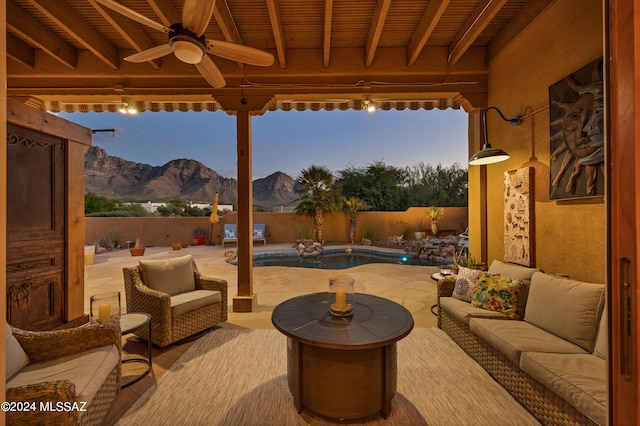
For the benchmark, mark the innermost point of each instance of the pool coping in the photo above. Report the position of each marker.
(292, 253)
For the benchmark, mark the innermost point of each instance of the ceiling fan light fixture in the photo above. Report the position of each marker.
(187, 51)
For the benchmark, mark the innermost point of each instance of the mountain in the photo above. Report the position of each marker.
(182, 179)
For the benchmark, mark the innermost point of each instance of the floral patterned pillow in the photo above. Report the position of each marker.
(465, 284)
(497, 293)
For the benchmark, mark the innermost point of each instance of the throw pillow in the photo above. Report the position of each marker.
(257, 233)
(171, 276)
(465, 283)
(229, 233)
(16, 356)
(497, 293)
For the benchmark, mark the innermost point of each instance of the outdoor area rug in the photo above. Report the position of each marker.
(239, 377)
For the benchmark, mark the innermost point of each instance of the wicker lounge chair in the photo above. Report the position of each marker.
(95, 347)
(177, 311)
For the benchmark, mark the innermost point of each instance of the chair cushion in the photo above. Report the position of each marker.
(579, 379)
(16, 357)
(87, 370)
(192, 300)
(465, 283)
(514, 337)
(497, 293)
(172, 276)
(229, 233)
(567, 308)
(462, 311)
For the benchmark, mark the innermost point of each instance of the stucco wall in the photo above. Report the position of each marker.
(569, 235)
(281, 227)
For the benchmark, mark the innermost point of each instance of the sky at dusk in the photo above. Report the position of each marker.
(286, 141)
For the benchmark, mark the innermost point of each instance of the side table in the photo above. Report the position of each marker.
(129, 323)
(436, 276)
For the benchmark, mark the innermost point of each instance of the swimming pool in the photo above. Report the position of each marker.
(335, 258)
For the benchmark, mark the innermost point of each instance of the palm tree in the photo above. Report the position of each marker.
(352, 206)
(320, 195)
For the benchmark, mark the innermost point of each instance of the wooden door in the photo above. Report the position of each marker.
(623, 204)
(35, 229)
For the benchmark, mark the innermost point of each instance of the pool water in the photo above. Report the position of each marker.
(339, 260)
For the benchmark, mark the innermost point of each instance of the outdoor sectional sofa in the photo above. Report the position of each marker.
(552, 356)
(62, 377)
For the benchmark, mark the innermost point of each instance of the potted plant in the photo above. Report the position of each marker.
(137, 249)
(199, 234)
(434, 214)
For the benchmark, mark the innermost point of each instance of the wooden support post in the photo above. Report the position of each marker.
(246, 299)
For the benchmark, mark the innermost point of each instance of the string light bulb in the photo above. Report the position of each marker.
(368, 105)
(126, 107)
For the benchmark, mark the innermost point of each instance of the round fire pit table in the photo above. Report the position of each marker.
(342, 367)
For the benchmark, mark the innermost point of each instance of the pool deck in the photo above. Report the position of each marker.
(408, 285)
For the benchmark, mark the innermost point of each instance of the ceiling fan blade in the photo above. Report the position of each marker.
(131, 14)
(240, 53)
(210, 72)
(196, 15)
(150, 54)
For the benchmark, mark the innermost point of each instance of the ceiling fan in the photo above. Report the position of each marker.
(187, 42)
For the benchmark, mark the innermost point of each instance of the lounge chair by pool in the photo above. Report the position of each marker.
(230, 235)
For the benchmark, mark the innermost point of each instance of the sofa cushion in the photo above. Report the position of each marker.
(16, 357)
(518, 272)
(87, 370)
(462, 311)
(567, 308)
(192, 300)
(579, 379)
(465, 283)
(497, 293)
(601, 347)
(514, 337)
(172, 276)
(510, 270)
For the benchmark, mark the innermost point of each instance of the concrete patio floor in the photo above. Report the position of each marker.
(410, 286)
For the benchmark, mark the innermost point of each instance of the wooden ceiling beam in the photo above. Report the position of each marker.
(20, 51)
(375, 30)
(227, 24)
(74, 24)
(531, 11)
(166, 11)
(326, 41)
(425, 28)
(32, 31)
(347, 71)
(278, 32)
(131, 31)
(477, 22)
(225, 21)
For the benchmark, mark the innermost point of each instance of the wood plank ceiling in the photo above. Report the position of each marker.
(332, 54)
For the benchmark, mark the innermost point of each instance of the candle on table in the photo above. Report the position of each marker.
(341, 299)
(104, 313)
